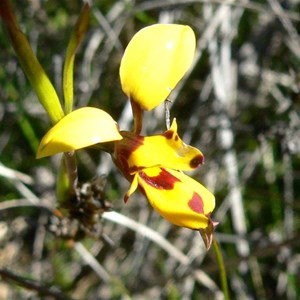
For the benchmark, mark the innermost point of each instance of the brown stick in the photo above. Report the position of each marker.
(33, 285)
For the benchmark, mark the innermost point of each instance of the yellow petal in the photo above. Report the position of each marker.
(81, 128)
(166, 150)
(132, 189)
(154, 61)
(177, 197)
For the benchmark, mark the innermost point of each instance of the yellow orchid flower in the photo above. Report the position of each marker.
(178, 198)
(135, 152)
(81, 128)
(154, 61)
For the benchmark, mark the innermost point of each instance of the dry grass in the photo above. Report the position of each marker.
(239, 104)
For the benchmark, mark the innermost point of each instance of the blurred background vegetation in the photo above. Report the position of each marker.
(239, 104)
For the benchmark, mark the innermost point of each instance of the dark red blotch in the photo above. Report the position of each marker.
(163, 181)
(196, 204)
(196, 161)
(123, 149)
(168, 134)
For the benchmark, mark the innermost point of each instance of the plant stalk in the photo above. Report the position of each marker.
(223, 275)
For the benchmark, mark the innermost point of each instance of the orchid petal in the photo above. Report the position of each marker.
(167, 150)
(177, 197)
(154, 61)
(81, 128)
(132, 189)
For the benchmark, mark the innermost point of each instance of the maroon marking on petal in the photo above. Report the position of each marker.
(124, 148)
(163, 181)
(196, 161)
(135, 169)
(125, 198)
(129, 143)
(168, 134)
(142, 190)
(196, 203)
(176, 137)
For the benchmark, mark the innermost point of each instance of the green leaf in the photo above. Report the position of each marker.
(30, 64)
(75, 40)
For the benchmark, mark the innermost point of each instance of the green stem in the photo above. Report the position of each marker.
(67, 181)
(223, 275)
